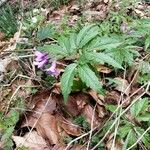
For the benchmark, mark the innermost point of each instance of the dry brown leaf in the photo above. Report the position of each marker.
(123, 86)
(97, 97)
(2, 36)
(78, 147)
(118, 145)
(45, 105)
(106, 1)
(139, 12)
(69, 127)
(4, 63)
(76, 103)
(47, 128)
(101, 111)
(112, 97)
(31, 140)
(88, 113)
(59, 146)
(103, 69)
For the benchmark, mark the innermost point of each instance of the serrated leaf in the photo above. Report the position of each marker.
(101, 57)
(64, 43)
(45, 32)
(139, 107)
(67, 80)
(73, 46)
(89, 78)
(53, 49)
(127, 140)
(7, 133)
(111, 107)
(124, 130)
(144, 117)
(68, 44)
(147, 43)
(104, 43)
(83, 32)
(91, 34)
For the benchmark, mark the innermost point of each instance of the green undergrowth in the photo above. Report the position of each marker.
(8, 22)
(83, 47)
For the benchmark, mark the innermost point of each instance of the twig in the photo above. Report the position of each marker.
(139, 139)
(120, 110)
(123, 112)
(92, 121)
(76, 139)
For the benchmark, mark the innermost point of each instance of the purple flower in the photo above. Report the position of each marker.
(41, 59)
(52, 70)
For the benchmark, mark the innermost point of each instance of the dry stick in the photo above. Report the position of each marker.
(119, 106)
(121, 98)
(36, 120)
(19, 75)
(13, 95)
(148, 84)
(69, 144)
(124, 92)
(139, 139)
(76, 139)
(140, 142)
(25, 56)
(90, 136)
(118, 113)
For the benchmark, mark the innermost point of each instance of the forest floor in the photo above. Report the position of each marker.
(75, 75)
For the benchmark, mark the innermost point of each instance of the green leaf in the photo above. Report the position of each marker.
(110, 42)
(53, 49)
(111, 107)
(7, 133)
(91, 34)
(144, 117)
(124, 130)
(73, 46)
(64, 44)
(89, 77)
(146, 137)
(45, 32)
(83, 33)
(101, 57)
(12, 118)
(127, 140)
(147, 43)
(101, 43)
(67, 80)
(138, 107)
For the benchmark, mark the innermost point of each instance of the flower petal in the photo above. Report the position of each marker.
(52, 70)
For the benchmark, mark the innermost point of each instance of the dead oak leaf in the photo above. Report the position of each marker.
(88, 112)
(103, 69)
(97, 97)
(101, 111)
(123, 86)
(2, 36)
(59, 146)
(68, 126)
(118, 145)
(47, 128)
(112, 97)
(31, 140)
(78, 147)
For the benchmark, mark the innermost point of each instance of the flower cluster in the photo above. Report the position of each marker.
(41, 60)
